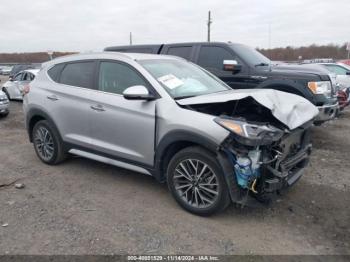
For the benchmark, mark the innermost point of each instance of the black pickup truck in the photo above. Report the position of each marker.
(241, 66)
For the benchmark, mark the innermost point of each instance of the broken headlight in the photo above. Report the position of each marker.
(250, 134)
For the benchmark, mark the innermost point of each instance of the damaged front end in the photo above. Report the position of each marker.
(263, 169)
(261, 156)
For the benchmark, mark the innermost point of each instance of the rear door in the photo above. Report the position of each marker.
(211, 57)
(120, 128)
(68, 100)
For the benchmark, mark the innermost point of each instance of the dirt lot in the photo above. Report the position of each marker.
(86, 207)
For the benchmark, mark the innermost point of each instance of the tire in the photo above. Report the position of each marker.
(51, 152)
(196, 195)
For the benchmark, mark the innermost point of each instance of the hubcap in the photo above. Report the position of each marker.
(196, 183)
(44, 143)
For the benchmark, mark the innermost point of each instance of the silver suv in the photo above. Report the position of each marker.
(166, 117)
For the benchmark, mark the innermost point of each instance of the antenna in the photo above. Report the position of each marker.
(130, 38)
(209, 22)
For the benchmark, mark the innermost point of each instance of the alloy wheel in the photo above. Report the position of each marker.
(196, 183)
(44, 143)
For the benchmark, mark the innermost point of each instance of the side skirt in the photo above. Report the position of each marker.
(109, 161)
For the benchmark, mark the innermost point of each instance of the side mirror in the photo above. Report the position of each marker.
(10, 79)
(232, 65)
(348, 73)
(137, 93)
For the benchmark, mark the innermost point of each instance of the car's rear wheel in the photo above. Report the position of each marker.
(196, 181)
(47, 143)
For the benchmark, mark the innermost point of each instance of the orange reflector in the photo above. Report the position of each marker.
(313, 87)
(234, 127)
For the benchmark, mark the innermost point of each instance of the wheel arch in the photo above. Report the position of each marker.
(35, 115)
(172, 143)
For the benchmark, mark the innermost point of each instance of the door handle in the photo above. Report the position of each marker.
(52, 98)
(98, 108)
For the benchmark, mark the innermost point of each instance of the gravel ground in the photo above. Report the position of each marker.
(86, 207)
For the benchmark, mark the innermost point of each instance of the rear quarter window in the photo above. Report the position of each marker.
(54, 72)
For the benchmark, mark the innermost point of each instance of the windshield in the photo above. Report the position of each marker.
(182, 79)
(250, 55)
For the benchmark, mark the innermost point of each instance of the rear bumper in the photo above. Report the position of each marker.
(326, 113)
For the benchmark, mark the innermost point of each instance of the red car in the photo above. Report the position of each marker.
(342, 99)
(346, 61)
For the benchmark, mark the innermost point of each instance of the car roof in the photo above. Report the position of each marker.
(108, 55)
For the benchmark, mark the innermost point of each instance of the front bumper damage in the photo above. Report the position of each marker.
(280, 166)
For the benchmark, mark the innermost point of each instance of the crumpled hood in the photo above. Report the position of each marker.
(291, 110)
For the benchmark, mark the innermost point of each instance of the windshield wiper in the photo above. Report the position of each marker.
(262, 64)
(183, 97)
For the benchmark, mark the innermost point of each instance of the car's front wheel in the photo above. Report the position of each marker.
(47, 143)
(196, 181)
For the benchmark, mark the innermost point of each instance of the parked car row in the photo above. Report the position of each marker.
(218, 122)
(5, 70)
(340, 73)
(13, 88)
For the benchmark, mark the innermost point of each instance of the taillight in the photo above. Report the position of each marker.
(26, 89)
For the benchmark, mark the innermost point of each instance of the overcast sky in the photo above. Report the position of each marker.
(86, 25)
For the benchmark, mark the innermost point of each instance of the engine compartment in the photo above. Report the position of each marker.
(246, 109)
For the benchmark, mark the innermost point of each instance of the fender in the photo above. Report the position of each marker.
(177, 139)
(38, 112)
(288, 84)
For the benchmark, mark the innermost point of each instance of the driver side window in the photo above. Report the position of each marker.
(212, 57)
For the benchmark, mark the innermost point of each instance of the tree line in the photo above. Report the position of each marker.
(38, 57)
(290, 53)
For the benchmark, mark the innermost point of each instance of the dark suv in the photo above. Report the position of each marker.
(250, 69)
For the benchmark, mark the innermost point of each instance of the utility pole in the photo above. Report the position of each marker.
(130, 38)
(209, 22)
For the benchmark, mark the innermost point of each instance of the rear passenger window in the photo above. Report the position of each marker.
(78, 74)
(181, 51)
(115, 77)
(212, 57)
(55, 71)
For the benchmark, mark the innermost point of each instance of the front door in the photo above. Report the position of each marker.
(121, 128)
(212, 58)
